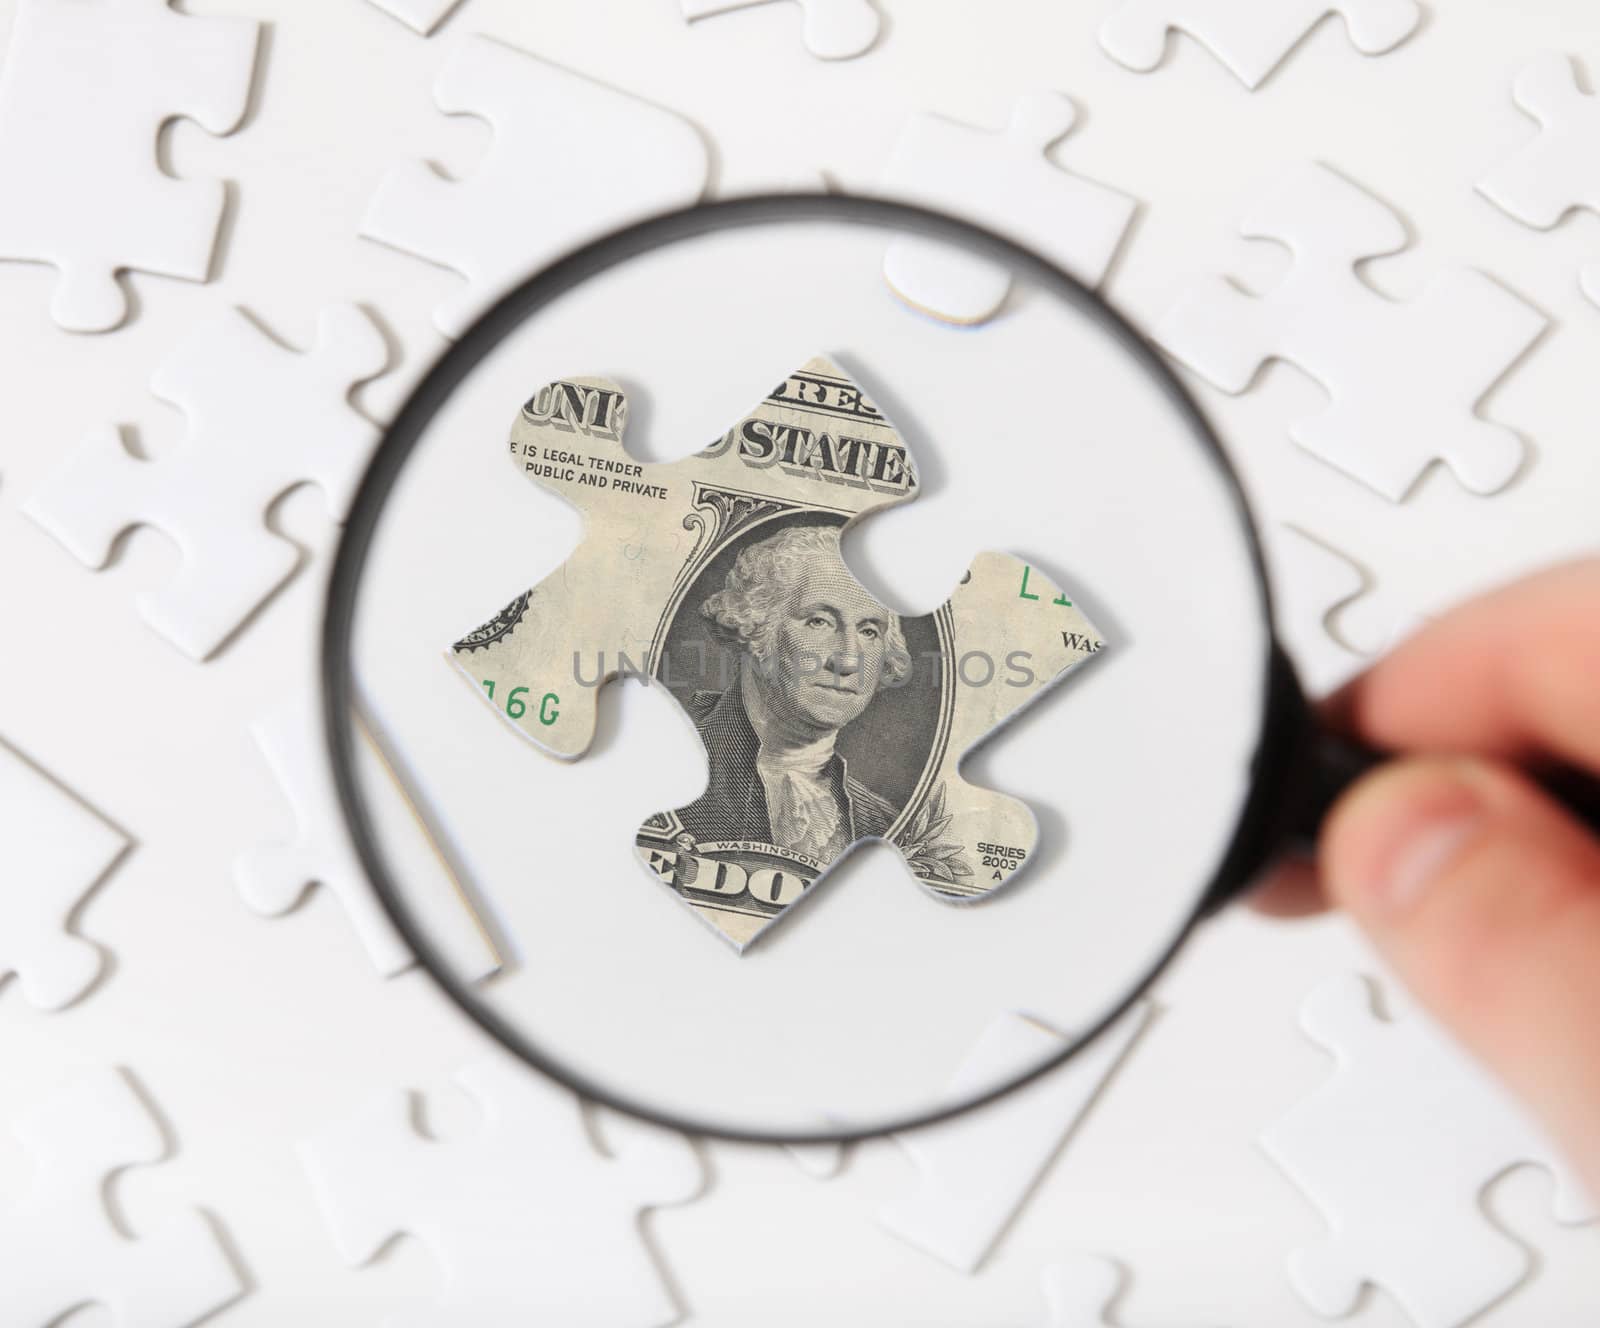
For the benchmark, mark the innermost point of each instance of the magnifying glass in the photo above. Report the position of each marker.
(964, 699)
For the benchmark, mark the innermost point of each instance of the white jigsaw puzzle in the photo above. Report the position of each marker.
(1250, 37)
(616, 158)
(62, 1250)
(56, 851)
(1334, 621)
(1080, 1290)
(521, 1216)
(833, 29)
(978, 1168)
(89, 83)
(1404, 377)
(421, 16)
(274, 877)
(1007, 182)
(262, 420)
(1395, 1151)
(1558, 171)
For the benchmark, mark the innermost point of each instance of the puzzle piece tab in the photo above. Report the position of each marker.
(1249, 37)
(827, 718)
(1395, 1150)
(1005, 182)
(62, 1250)
(1405, 378)
(56, 850)
(262, 419)
(1559, 170)
(86, 87)
(834, 29)
(616, 159)
(527, 1222)
(977, 1169)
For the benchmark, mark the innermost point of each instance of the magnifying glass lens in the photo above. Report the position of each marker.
(953, 654)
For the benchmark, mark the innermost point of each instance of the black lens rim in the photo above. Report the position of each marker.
(1284, 721)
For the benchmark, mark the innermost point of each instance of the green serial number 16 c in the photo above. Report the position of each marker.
(517, 705)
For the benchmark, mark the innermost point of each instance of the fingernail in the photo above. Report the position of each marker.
(1396, 833)
(1417, 860)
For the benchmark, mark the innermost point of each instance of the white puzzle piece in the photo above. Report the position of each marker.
(1395, 1151)
(1334, 621)
(421, 16)
(1405, 377)
(1080, 1290)
(1251, 37)
(616, 159)
(274, 877)
(86, 87)
(834, 29)
(56, 851)
(522, 1216)
(61, 1248)
(262, 419)
(1559, 170)
(977, 1168)
(1006, 182)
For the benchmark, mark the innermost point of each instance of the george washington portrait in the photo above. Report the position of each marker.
(814, 650)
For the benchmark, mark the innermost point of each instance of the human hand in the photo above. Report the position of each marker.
(1479, 890)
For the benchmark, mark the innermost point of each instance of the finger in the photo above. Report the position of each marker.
(1511, 674)
(1485, 897)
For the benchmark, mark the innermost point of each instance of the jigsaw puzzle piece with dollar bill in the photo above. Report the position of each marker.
(827, 718)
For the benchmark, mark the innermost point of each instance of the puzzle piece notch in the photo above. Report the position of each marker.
(57, 852)
(520, 1214)
(977, 1169)
(273, 878)
(1558, 170)
(1404, 378)
(618, 159)
(1335, 620)
(1395, 1150)
(62, 1250)
(92, 84)
(1251, 39)
(833, 29)
(262, 420)
(1080, 1290)
(1006, 182)
(421, 16)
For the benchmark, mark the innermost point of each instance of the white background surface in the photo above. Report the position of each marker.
(250, 1034)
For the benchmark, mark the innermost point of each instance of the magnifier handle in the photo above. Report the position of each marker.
(1337, 762)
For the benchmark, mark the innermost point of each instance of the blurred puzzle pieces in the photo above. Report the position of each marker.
(86, 88)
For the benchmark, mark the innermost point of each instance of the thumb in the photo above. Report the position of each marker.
(1484, 896)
